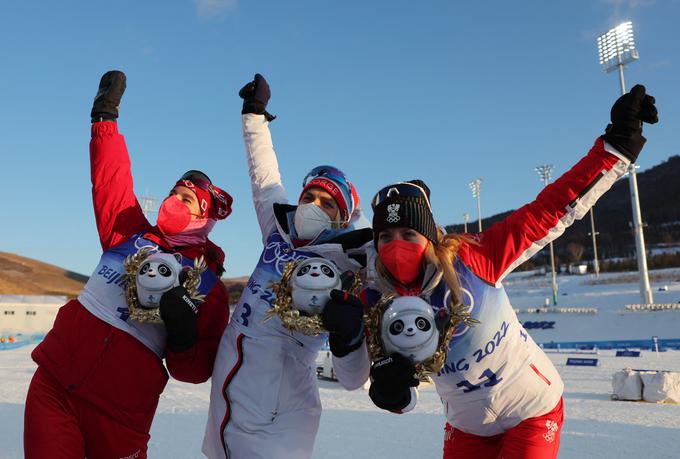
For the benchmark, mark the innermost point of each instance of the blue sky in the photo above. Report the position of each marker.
(386, 90)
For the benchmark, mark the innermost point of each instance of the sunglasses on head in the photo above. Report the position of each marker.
(400, 189)
(199, 179)
(202, 181)
(329, 172)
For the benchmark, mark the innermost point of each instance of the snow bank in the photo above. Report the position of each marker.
(660, 386)
(627, 385)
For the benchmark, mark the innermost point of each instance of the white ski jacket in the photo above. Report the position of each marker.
(272, 209)
(495, 375)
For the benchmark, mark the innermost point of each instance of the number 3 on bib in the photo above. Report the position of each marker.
(245, 314)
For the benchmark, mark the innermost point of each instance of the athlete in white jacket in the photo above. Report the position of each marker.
(264, 401)
(502, 395)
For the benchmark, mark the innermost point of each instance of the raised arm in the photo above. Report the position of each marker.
(509, 243)
(263, 167)
(117, 212)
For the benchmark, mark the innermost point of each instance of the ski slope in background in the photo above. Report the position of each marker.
(612, 324)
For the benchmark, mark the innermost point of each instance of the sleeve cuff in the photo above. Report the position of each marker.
(611, 150)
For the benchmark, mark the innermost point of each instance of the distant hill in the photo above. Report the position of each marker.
(659, 190)
(25, 276)
(235, 286)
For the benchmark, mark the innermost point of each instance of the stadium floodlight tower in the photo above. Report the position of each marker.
(148, 205)
(545, 172)
(476, 187)
(616, 49)
(466, 218)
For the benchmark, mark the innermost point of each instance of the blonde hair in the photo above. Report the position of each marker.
(443, 256)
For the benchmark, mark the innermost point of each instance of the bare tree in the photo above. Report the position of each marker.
(575, 252)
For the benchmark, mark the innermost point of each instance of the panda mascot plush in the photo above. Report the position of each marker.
(311, 283)
(156, 275)
(409, 328)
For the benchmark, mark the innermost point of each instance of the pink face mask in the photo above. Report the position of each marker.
(173, 216)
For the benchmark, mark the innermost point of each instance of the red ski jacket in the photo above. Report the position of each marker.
(495, 375)
(102, 363)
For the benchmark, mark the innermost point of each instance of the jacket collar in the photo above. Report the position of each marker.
(352, 237)
(347, 249)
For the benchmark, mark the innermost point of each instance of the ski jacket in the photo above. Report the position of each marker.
(273, 213)
(495, 375)
(93, 350)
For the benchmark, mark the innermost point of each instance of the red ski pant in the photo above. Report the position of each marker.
(60, 426)
(533, 438)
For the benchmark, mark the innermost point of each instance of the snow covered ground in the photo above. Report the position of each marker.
(595, 426)
(608, 295)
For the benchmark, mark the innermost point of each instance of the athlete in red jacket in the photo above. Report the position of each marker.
(100, 374)
(501, 394)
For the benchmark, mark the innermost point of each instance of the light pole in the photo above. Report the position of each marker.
(616, 49)
(476, 187)
(466, 217)
(544, 172)
(148, 205)
(596, 264)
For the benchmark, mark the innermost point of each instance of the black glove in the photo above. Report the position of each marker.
(256, 96)
(107, 100)
(343, 317)
(392, 378)
(180, 315)
(627, 115)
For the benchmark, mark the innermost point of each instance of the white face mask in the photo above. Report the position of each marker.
(310, 221)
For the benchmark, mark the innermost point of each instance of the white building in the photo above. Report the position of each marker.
(29, 313)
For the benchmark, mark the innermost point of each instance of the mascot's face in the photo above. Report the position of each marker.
(408, 328)
(156, 275)
(311, 283)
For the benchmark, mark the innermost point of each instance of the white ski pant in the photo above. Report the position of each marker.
(264, 401)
